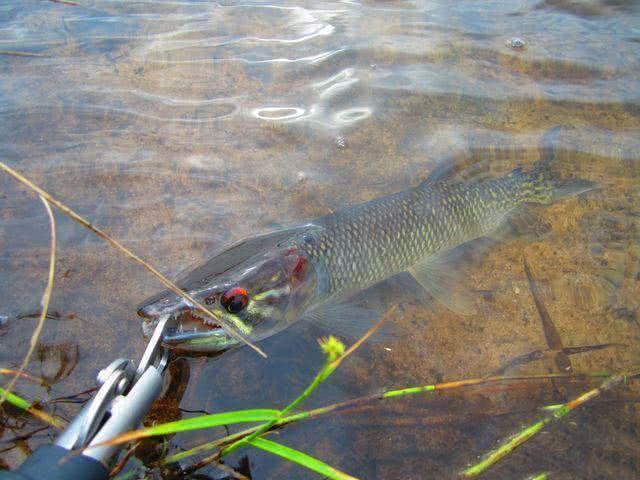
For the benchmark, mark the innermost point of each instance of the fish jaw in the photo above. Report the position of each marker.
(193, 330)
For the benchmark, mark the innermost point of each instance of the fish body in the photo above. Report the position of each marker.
(264, 284)
(365, 244)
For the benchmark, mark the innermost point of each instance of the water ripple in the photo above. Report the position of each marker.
(278, 113)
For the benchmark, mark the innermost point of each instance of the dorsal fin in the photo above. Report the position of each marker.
(441, 172)
(452, 171)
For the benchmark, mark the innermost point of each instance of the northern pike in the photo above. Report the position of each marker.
(265, 283)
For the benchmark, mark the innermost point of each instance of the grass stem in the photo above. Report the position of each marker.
(25, 405)
(527, 433)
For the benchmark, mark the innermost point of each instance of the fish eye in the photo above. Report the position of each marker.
(210, 300)
(235, 299)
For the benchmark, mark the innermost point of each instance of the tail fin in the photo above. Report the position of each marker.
(542, 184)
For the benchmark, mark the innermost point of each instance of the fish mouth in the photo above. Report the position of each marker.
(192, 324)
(189, 326)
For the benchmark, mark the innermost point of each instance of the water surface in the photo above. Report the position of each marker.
(181, 126)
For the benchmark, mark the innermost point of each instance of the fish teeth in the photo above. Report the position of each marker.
(209, 321)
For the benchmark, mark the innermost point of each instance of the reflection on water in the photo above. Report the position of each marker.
(182, 126)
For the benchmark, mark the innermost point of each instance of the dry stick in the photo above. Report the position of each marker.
(123, 460)
(118, 246)
(46, 297)
(66, 2)
(24, 436)
(8, 371)
(21, 54)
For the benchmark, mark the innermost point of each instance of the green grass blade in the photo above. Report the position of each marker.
(15, 400)
(196, 423)
(505, 449)
(300, 458)
(25, 405)
(540, 476)
(213, 420)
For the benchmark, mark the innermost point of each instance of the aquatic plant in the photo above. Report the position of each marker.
(28, 407)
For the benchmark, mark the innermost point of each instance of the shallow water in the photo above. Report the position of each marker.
(181, 126)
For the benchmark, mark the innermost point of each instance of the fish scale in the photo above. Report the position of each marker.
(362, 245)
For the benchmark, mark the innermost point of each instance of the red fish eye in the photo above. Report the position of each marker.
(235, 299)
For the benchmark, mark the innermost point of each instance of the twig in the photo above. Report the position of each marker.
(8, 371)
(121, 248)
(14, 53)
(75, 397)
(123, 460)
(539, 476)
(66, 2)
(540, 354)
(46, 297)
(25, 436)
(336, 363)
(231, 471)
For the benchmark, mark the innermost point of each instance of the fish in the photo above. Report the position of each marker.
(264, 284)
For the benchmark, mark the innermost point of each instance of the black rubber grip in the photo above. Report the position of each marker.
(52, 462)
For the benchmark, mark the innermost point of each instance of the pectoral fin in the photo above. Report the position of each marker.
(350, 318)
(445, 282)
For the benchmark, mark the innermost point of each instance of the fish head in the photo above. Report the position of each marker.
(259, 296)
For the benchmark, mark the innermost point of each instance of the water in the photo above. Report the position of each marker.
(181, 126)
